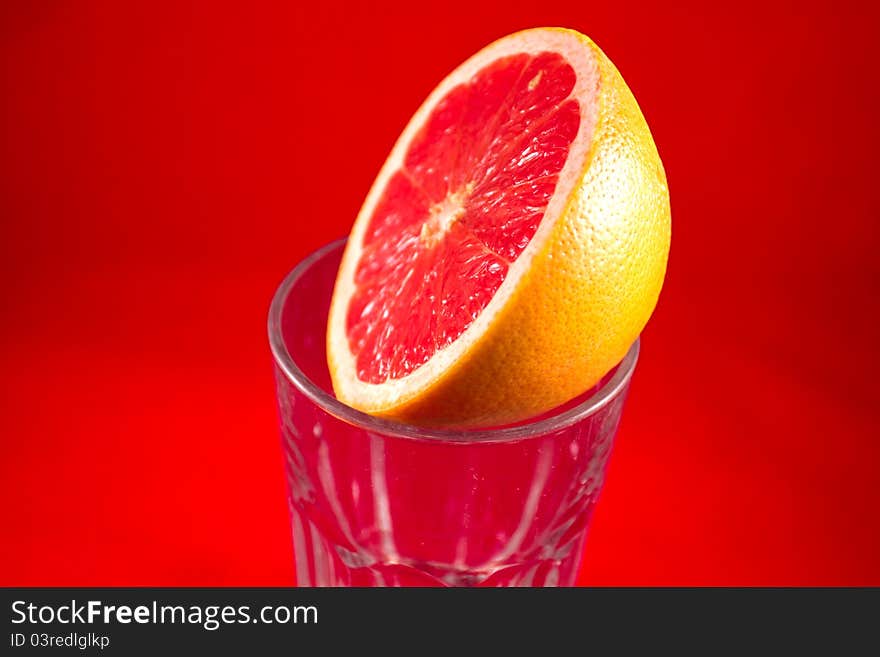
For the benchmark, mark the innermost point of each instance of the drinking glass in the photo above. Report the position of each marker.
(378, 503)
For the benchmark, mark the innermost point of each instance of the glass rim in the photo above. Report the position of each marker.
(329, 404)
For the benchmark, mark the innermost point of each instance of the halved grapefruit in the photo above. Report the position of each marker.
(512, 247)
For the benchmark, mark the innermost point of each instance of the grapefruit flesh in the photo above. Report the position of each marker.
(512, 247)
(473, 188)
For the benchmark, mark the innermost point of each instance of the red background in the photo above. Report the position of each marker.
(164, 165)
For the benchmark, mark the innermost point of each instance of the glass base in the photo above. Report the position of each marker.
(319, 563)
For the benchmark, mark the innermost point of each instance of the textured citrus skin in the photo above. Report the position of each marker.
(587, 295)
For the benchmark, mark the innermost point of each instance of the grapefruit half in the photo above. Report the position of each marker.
(511, 248)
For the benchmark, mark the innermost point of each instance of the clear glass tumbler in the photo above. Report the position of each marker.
(377, 503)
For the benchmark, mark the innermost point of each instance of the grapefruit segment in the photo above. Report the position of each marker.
(511, 248)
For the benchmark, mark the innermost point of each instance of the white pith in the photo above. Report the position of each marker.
(393, 392)
(443, 215)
